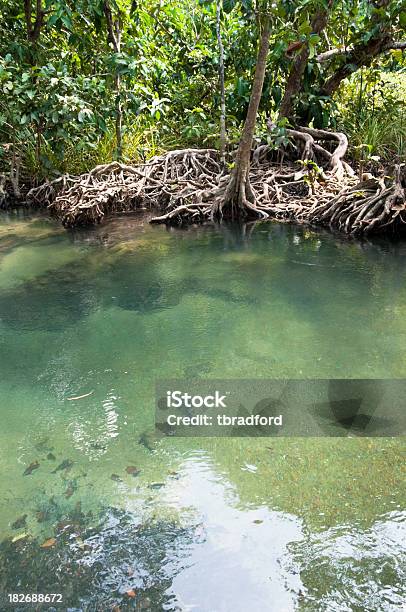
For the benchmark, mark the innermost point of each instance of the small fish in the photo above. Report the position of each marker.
(70, 491)
(116, 478)
(65, 465)
(156, 485)
(41, 445)
(33, 466)
(20, 522)
(131, 469)
(51, 457)
(146, 440)
(42, 516)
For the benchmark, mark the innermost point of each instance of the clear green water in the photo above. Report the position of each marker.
(272, 524)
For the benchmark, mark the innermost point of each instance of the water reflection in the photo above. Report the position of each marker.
(242, 561)
(356, 568)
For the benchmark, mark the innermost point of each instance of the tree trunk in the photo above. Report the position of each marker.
(119, 110)
(114, 37)
(223, 135)
(33, 30)
(239, 199)
(294, 82)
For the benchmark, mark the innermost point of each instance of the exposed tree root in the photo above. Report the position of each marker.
(369, 206)
(165, 182)
(189, 186)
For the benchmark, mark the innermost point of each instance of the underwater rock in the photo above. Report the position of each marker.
(51, 457)
(116, 478)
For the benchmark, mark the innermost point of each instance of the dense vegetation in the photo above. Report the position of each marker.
(86, 82)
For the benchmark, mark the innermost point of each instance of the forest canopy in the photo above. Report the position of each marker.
(67, 69)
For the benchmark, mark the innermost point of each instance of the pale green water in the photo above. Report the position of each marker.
(275, 524)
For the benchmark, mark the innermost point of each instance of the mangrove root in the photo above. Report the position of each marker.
(191, 186)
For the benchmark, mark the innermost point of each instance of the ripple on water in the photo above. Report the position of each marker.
(348, 568)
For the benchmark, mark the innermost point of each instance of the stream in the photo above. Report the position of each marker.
(113, 517)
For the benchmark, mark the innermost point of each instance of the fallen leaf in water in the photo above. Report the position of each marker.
(49, 543)
(249, 468)
(78, 397)
(33, 466)
(258, 521)
(80, 543)
(20, 522)
(21, 536)
(131, 593)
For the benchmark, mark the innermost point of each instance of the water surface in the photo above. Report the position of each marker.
(222, 524)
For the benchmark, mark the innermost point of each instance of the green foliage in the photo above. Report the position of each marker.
(59, 96)
(372, 112)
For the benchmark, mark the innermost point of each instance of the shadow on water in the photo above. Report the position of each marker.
(48, 303)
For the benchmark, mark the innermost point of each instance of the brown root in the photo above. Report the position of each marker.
(166, 181)
(370, 206)
(189, 186)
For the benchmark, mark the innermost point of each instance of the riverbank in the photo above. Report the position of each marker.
(186, 186)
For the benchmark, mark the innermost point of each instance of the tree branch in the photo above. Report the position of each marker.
(327, 55)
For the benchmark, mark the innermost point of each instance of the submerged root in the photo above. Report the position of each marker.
(190, 186)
